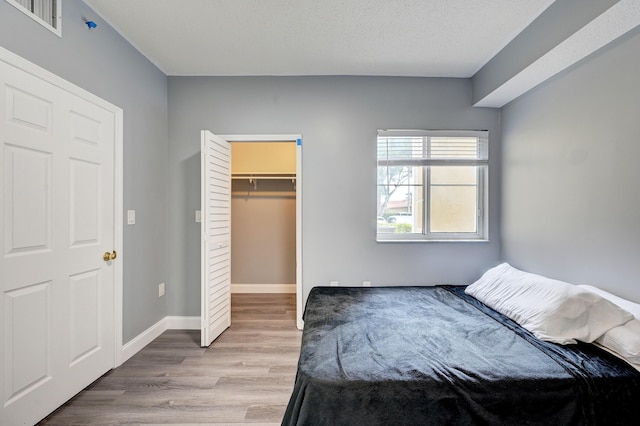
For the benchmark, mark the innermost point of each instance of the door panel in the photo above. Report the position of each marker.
(84, 315)
(29, 356)
(216, 237)
(28, 188)
(28, 109)
(84, 216)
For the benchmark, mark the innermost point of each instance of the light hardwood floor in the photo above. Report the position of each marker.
(245, 377)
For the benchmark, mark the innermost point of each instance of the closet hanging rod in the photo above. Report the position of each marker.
(257, 176)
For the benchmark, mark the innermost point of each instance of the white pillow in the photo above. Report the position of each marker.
(625, 304)
(552, 310)
(624, 341)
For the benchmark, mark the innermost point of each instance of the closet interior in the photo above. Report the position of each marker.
(263, 217)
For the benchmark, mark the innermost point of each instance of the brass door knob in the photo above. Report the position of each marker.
(109, 256)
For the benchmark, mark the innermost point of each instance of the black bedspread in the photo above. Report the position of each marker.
(435, 356)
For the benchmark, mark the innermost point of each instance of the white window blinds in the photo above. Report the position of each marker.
(432, 147)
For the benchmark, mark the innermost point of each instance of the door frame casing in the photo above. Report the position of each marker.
(47, 76)
(297, 138)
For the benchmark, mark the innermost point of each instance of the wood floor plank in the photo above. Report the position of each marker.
(244, 378)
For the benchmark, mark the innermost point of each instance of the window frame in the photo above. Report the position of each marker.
(482, 188)
(56, 28)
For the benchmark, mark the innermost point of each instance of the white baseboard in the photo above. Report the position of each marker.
(143, 339)
(150, 334)
(183, 323)
(263, 288)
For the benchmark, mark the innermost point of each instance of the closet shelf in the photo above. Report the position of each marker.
(253, 178)
(259, 176)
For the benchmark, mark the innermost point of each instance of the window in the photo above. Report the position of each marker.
(432, 185)
(45, 12)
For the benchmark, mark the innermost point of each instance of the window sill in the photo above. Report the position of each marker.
(422, 240)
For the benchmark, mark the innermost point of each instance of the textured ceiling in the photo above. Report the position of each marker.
(434, 38)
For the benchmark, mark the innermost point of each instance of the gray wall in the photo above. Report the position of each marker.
(103, 63)
(338, 118)
(571, 201)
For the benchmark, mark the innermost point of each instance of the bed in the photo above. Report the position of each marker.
(438, 356)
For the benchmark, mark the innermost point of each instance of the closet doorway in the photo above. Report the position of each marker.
(266, 215)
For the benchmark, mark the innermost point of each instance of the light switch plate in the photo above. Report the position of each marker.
(131, 217)
(198, 216)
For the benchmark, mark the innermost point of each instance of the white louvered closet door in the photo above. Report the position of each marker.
(216, 236)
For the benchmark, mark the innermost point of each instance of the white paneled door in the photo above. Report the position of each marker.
(216, 236)
(57, 236)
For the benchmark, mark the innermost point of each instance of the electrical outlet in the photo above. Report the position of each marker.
(366, 283)
(333, 283)
(160, 289)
